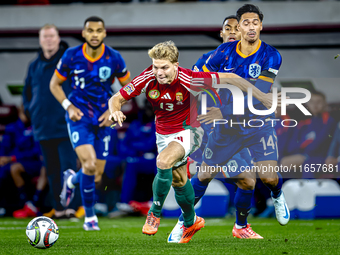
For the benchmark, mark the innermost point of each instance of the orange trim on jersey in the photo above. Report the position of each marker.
(264, 78)
(245, 56)
(125, 77)
(90, 58)
(205, 69)
(63, 78)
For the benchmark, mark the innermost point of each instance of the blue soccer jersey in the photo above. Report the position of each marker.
(260, 68)
(240, 161)
(91, 79)
(201, 61)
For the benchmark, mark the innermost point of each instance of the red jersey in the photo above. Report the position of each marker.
(175, 104)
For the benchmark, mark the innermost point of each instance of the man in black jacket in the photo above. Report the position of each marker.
(47, 115)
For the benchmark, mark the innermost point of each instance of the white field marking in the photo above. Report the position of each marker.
(59, 227)
(12, 223)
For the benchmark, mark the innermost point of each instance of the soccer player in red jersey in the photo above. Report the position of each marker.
(172, 91)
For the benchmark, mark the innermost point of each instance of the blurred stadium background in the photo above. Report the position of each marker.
(307, 34)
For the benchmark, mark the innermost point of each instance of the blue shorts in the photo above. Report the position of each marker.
(221, 147)
(85, 132)
(233, 167)
(237, 164)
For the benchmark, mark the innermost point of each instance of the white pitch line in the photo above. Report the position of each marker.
(12, 223)
(60, 227)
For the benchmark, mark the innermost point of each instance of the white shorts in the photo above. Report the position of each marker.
(190, 139)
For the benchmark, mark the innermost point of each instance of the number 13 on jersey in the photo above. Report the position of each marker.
(168, 106)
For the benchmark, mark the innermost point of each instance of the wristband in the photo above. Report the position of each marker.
(66, 103)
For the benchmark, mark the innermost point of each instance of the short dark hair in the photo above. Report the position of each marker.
(229, 17)
(248, 8)
(94, 19)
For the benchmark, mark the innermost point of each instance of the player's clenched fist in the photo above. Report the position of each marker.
(74, 113)
(118, 116)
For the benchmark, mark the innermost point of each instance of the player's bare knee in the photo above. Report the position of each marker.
(89, 167)
(246, 184)
(163, 163)
(270, 181)
(205, 177)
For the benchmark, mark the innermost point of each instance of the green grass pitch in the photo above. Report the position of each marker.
(124, 236)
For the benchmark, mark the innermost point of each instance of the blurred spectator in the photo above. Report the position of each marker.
(47, 115)
(333, 156)
(19, 155)
(311, 139)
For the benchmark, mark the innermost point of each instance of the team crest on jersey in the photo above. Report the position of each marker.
(154, 94)
(129, 88)
(254, 70)
(104, 72)
(208, 153)
(232, 166)
(179, 98)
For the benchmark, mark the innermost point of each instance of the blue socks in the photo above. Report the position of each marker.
(243, 204)
(199, 189)
(276, 191)
(76, 178)
(87, 190)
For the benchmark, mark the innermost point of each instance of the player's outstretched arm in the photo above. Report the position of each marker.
(115, 106)
(75, 114)
(243, 84)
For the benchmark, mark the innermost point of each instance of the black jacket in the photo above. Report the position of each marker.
(46, 113)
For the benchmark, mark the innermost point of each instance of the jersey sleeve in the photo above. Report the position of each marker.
(200, 62)
(137, 85)
(213, 63)
(63, 70)
(205, 79)
(202, 81)
(269, 72)
(121, 72)
(27, 91)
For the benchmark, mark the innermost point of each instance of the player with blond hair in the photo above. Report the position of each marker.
(172, 92)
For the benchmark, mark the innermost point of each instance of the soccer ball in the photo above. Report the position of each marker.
(42, 232)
